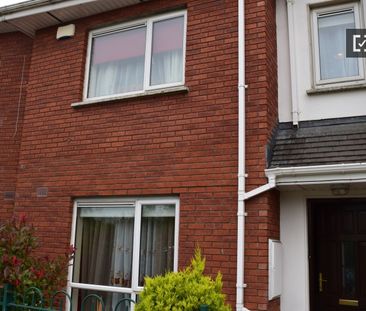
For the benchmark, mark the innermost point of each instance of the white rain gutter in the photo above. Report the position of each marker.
(319, 174)
(293, 61)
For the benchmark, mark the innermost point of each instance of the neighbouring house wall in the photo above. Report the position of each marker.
(294, 238)
(316, 106)
(15, 52)
(262, 222)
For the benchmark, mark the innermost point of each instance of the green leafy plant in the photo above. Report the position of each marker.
(21, 268)
(184, 290)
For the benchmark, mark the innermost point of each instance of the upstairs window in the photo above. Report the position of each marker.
(329, 41)
(136, 57)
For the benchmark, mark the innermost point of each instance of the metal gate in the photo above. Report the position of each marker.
(33, 300)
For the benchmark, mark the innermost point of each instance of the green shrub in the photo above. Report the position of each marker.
(184, 290)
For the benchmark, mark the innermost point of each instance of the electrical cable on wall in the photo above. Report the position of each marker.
(19, 98)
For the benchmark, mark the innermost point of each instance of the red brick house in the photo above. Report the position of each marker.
(122, 128)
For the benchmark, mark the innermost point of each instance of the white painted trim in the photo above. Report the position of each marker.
(148, 53)
(147, 88)
(320, 174)
(176, 236)
(71, 264)
(157, 91)
(136, 246)
(114, 289)
(87, 68)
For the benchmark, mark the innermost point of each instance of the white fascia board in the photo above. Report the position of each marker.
(319, 174)
(29, 8)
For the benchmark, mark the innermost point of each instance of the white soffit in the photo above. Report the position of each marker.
(32, 15)
(317, 175)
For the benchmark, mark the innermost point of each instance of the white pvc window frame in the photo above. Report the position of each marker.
(137, 203)
(332, 10)
(148, 23)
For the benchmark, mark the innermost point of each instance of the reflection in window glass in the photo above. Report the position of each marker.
(117, 63)
(110, 300)
(332, 45)
(167, 51)
(157, 240)
(107, 246)
(348, 269)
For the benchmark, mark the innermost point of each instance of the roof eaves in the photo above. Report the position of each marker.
(33, 7)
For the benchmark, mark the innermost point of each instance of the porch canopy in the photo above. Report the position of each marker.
(321, 152)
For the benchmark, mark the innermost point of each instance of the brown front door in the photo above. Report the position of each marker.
(337, 254)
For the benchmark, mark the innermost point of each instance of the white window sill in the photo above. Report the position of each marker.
(175, 89)
(337, 88)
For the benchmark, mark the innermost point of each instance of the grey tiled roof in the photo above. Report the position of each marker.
(320, 142)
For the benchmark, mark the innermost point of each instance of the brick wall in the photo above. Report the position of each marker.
(181, 144)
(261, 111)
(15, 51)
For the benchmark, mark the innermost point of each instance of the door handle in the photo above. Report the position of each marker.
(348, 302)
(321, 281)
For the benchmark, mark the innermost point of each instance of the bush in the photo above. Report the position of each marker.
(21, 268)
(184, 290)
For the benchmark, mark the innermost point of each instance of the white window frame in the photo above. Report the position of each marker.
(319, 83)
(148, 23)
(137, 203)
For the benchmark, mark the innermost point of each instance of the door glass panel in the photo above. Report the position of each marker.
(348, 269)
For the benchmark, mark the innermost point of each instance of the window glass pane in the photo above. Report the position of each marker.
(348, 269)
(106, 247)
(167, 51)
(332, 45)
(117, 63)
(110, 300)
(157, 240)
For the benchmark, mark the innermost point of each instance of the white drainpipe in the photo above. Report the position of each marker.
(293, 61)
(241, 160)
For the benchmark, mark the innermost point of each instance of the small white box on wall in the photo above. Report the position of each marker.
(274, 269)
(65, 32)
